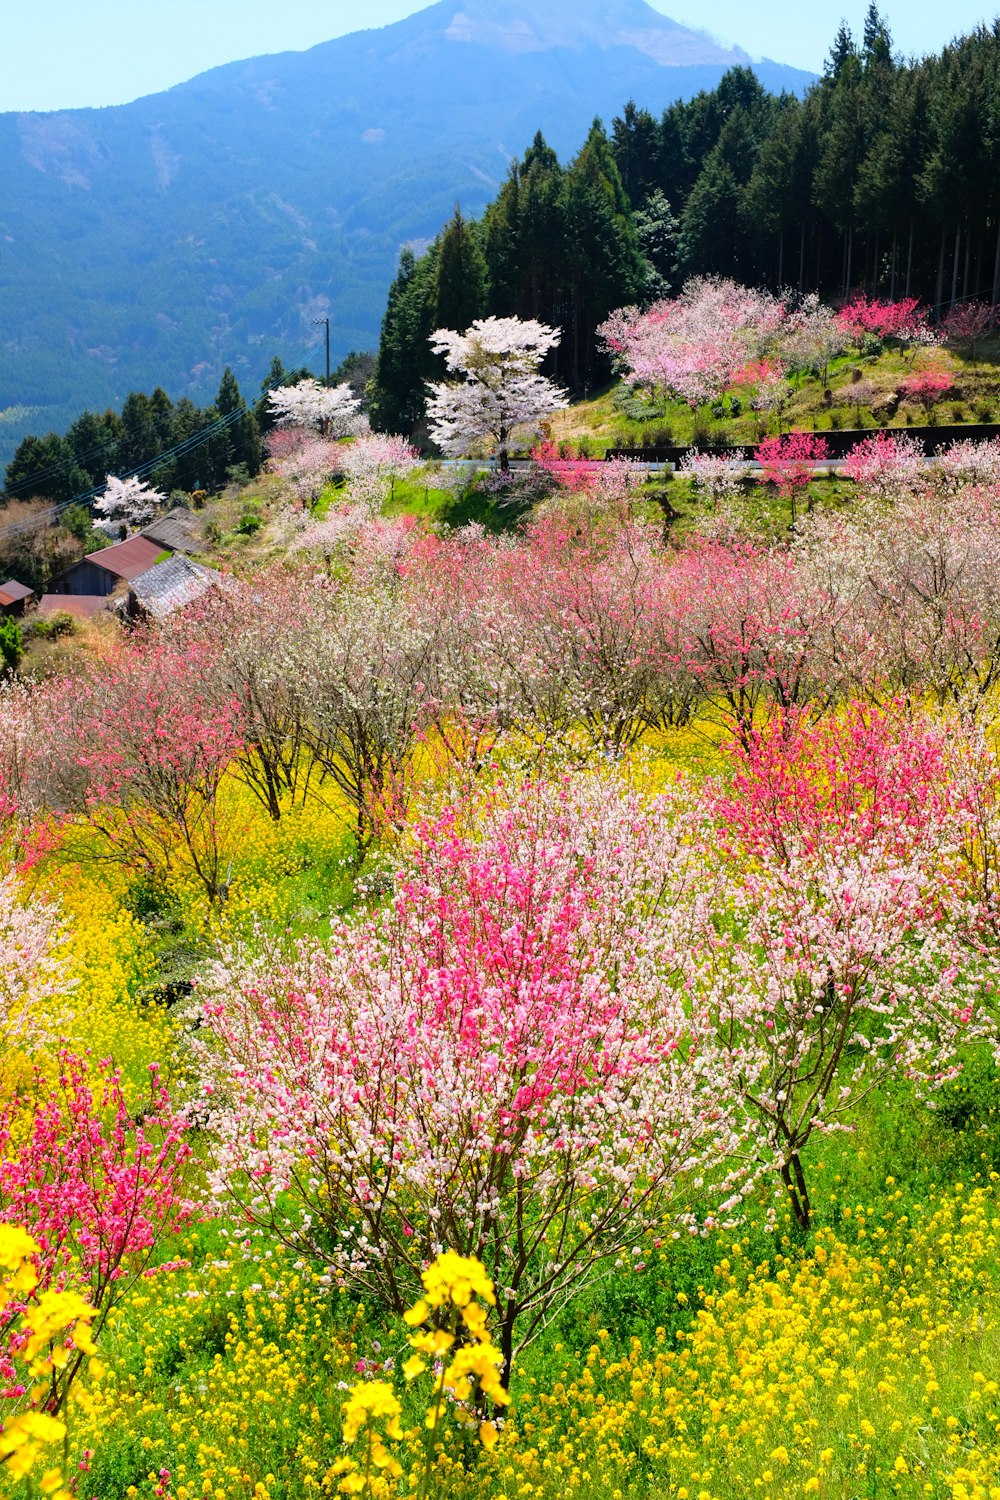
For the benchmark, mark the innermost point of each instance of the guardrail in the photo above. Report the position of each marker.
(839, 442)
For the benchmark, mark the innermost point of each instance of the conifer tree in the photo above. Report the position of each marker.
(460, 277)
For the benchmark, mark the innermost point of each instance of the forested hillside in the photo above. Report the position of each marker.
(884, 177)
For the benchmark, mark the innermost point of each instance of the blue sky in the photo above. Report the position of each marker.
(69, 53)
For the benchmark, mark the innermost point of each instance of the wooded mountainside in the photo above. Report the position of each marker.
(885, 176)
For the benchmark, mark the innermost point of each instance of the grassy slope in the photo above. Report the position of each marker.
(611, 419)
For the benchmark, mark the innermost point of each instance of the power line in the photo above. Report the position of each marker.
(61, 465)
(141, 471)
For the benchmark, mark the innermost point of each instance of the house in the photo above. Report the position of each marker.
(13, 597)
(167, 586)
(100, 573)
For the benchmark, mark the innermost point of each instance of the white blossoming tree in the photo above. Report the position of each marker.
(130, 500)
(332, 410)
(501, 390)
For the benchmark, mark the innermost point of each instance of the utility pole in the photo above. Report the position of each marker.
(326, 322)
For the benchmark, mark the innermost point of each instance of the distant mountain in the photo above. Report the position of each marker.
(155, 242)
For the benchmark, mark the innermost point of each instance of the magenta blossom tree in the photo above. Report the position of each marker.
(789, 463)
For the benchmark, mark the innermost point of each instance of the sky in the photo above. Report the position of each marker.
(69, 54)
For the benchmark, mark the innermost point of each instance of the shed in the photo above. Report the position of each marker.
(14, 596)
(80, 606)
(100, 573)
(179, 531)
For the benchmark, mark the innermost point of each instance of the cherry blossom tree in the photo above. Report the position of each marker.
(847, 967)
(130, 500)
(903, 321)
(502, 391)
(967, 324)
(811, 336)
(694, 346)
(757, 629)
(333, 411)
(969, 462)
(502, 1062)
(140, 748)
(886, 466)
(366, 661)
(96, 1178)
(610, 481)
(719, 479)
(32, 977)
(928, 387)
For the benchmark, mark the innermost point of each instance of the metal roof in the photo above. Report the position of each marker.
(12, 591)
(127, 559)
(82, 606)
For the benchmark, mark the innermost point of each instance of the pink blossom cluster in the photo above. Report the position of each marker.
(904, 321)
(98, 1181)
(928, 387)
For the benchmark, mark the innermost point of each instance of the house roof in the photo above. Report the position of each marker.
(172, 584)
(82, 606)
(179, 529)
(127, 559)
(12, 592)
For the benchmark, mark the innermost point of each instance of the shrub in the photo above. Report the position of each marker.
(11, 645)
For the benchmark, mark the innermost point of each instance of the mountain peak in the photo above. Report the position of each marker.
(519, 26)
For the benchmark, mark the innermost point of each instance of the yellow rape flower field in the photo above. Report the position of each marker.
(868, 1366)
(855, 1362)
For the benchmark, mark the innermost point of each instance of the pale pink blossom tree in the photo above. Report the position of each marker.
(306, 462)
(372, 464)
(33, 981)
(812, 336)
(969, 462)
(886, 466)
(692, 347)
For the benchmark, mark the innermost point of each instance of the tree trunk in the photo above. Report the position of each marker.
(802, 254)
(781, 257)
(965, 270)
(892, 279)
(996, 266)
(954, 263)
(909, 260)
(939, 295)
(875, 268)
(798, 1194)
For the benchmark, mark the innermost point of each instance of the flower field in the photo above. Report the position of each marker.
(515, 1014)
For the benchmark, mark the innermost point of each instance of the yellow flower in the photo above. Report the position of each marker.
(367, 1403)
(456, 1279)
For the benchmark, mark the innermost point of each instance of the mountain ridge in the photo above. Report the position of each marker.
(209, 224)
